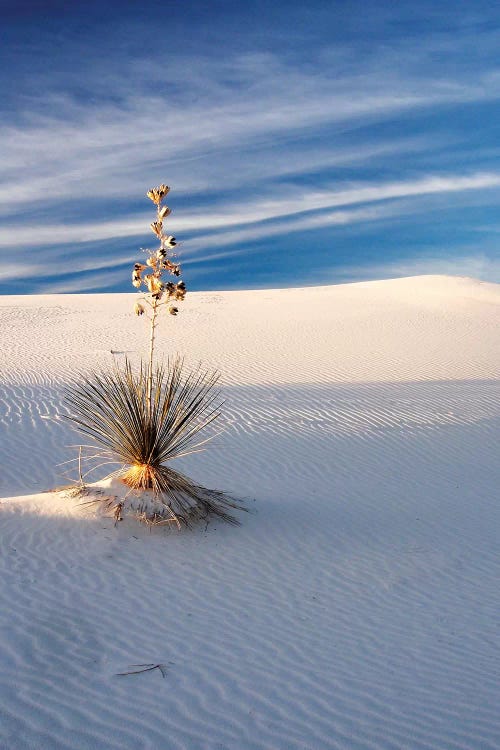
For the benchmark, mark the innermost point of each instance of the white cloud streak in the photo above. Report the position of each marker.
(298, 203)
(241, 138)
(224, 128)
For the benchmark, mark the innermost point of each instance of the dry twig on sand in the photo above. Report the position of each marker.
(144, 668)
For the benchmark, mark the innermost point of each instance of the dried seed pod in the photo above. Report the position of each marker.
(172, 268)
(157, 228)
(159, 261)
(163, 190)
(180, 291)
(157, 194)
(154, 285)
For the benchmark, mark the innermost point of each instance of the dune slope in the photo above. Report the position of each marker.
(355, 607)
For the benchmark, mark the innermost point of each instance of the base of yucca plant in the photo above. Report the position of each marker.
(140, 477)
(165, 496)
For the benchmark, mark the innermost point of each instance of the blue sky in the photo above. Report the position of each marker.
(305, 143)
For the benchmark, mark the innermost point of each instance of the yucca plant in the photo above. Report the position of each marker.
(113, 409)
(142, 420)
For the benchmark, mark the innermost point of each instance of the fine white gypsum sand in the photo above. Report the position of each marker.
(356, 607)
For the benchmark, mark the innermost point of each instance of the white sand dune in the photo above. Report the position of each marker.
(356, 607)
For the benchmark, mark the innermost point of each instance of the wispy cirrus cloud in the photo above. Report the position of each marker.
(298, 203)
(257, 144)
(217, 114)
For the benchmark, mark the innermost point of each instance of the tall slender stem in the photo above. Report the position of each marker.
(159, 262)
(151, 354)
(152, 338)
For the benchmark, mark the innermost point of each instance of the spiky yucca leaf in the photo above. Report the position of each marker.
(144, 435)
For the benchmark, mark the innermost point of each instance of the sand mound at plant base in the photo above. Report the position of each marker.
(357, 607)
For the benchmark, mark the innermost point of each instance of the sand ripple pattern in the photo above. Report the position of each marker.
(356, 608)
(278, 647)
(33, 433)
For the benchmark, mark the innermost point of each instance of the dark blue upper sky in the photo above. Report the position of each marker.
(305, 143)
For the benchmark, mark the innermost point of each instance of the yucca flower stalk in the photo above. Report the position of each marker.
(158, 262)
(142, 420)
